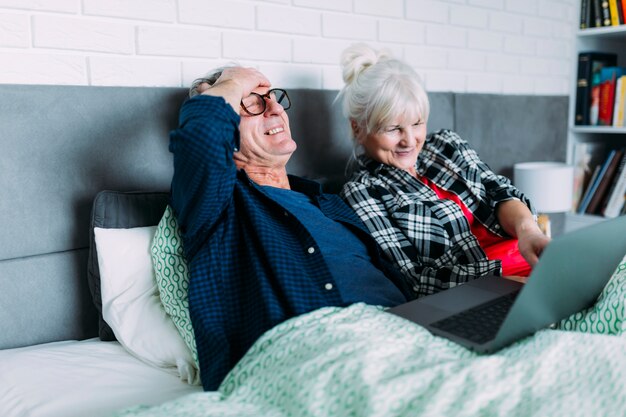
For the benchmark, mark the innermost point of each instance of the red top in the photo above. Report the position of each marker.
(496, 247)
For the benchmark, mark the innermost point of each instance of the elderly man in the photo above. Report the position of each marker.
(262, 246)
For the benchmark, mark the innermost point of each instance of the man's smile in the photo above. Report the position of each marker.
(274, 131)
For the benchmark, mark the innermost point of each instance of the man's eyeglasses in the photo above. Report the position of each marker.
(255, 104)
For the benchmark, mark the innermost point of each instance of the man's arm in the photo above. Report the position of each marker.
(204, 172)
(203, 146)
(234, 84)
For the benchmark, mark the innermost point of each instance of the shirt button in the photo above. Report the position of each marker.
(328, 286)
(311, 249)
(286, 214)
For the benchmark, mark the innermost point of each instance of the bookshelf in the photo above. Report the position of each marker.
(603, 39)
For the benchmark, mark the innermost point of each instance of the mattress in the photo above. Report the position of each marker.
(80, 378)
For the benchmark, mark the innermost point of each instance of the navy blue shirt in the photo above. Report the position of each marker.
(343, 252)
(252, 264)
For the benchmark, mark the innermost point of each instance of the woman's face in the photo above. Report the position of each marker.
(397, 143)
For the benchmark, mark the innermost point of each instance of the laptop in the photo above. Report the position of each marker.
(491, 312)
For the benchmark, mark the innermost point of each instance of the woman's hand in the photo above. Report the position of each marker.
(517, 220)
(531, 244)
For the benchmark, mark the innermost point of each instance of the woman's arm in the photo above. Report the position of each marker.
(413, 238)
(512, 209)
(517, 220)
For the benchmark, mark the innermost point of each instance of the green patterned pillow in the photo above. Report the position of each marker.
(608, 314)
(172, 276)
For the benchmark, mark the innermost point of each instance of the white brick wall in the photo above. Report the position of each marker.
(493, 46)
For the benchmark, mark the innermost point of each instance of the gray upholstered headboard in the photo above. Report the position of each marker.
(63, 144)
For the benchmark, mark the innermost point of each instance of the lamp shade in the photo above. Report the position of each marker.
(549, 185)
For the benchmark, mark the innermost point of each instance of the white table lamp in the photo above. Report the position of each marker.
(549, 185)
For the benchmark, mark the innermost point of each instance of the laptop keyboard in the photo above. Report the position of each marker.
(481, 323)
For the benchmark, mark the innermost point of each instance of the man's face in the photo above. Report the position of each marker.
(265, 138)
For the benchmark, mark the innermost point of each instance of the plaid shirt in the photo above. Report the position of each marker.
(252, 263)
(429, 238)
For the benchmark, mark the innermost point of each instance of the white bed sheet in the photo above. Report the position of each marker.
(80, 378)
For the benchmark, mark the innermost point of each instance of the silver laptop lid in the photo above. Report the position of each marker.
(568, 278)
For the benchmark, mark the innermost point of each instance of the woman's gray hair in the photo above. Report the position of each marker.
(380, 88)
(210, 78)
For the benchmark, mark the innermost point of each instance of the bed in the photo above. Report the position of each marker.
(72, 344)
(81, 378)
(138, 355)
(360, 361)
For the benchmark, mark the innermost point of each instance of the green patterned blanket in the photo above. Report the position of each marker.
(361, 361)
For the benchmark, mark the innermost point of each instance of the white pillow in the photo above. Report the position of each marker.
(131, 303)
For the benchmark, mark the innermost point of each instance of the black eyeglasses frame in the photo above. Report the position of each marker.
(264, 97)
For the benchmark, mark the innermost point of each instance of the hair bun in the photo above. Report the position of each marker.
(358, 57)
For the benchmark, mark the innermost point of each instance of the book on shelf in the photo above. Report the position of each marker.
(604, 180)
(591, 13)
(594, 98)
(594, 182)
(620, 102)
(608, 82)
(585, 14)
(602, 13)
(614, 199)
(606, 13)
(615, 13)
(580, 172)
(620, 10)
(622, 212)
(586, 156)
(584, 202)
(596, 13)
(590, 65)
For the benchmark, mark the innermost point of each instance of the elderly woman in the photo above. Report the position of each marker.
(439, 212)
